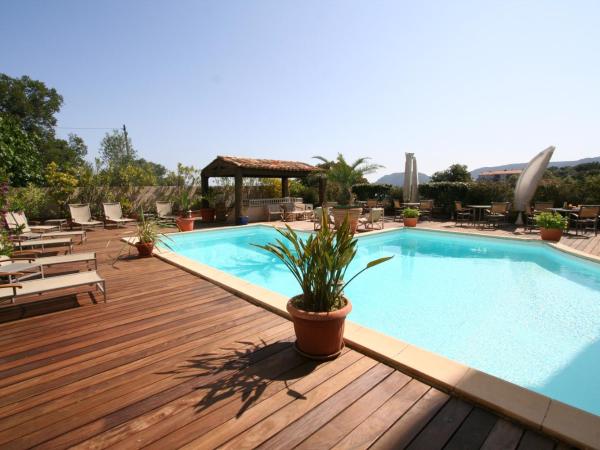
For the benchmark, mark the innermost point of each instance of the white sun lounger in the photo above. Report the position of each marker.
(15, 220)
(114, 214)
(164, 211)
(43, 243)
(12, 291)
(23, 268)
(82, 216)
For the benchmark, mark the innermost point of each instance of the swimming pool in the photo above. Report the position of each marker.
(518, 310)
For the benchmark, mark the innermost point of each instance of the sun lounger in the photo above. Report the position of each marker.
(164, 212)
(12, 291)
(114, 214)
(14, 220)
(12, 267)
(375, 217)
(82, 216)
(43, 243)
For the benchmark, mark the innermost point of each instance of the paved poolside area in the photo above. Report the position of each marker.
(174, 361)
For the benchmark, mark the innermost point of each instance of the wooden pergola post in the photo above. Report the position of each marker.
(238, 195)
(285, 187)
(322, 189)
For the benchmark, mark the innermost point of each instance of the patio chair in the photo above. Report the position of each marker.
(398, 210)
(21, 268)
(274, 209)
(306, 208)
(114, 214)
(12, 291)
(586, 219)
(497, 214)
(14, 220)
(375, 217)
(461, 214)
(82, 216)
(371, 203)
(164, 212)
(24, 244)
(290, 213)
(425, 209)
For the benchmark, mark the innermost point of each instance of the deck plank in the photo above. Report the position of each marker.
(174, 361)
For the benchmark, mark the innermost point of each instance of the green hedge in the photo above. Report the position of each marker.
(445, 193)
(366, 191)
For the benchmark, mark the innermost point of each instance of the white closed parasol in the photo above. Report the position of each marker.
(407, 177)
(528, 181)
(414, 183)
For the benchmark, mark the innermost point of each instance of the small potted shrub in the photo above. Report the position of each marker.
(206, 211)
(319, 264)
(551, 225)
(148, 236)
(411, 216)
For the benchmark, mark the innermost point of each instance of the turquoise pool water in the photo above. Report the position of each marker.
(517, 310)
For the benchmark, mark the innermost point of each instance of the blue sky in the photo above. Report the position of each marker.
(476, 82)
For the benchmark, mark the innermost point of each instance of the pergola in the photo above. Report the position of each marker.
(240, 168)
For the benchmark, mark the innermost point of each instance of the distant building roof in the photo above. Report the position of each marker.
(501, 172)
(228, 165)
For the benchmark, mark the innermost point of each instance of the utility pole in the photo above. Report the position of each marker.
(126, 142)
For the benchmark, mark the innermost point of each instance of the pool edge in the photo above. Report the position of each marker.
(535, 410)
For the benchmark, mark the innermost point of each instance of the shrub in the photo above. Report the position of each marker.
(31, 199)
(410, 213)
(551, 220)
(365, 191)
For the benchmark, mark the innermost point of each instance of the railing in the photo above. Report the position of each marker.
(271, 201)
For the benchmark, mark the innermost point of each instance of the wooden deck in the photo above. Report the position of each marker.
(173, 361)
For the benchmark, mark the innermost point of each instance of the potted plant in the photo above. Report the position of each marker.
(346, 175)
(319, 264)
(148, 236)
(410, 217)
(551, 225)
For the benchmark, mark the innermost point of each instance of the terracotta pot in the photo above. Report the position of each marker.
(145, 249)
(319, 335)
(208, 214)
(551, 234)
(410, 221)
(340, 214)
(197, 213)
(185, 224)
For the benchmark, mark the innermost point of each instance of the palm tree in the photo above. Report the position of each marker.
(346, 175)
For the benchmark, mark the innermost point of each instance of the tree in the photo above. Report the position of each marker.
(31, 102)
(117, 150)
(456, 172)
(19, 155)
(67, 154)
(346, 175)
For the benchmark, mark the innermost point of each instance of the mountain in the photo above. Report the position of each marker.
(397, 179)
(475, 173)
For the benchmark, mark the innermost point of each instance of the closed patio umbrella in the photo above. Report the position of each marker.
(414, 183)
(528, 181)
(407, 177)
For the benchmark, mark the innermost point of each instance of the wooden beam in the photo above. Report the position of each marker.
(238, 195)
(322, 189)
(285, 187)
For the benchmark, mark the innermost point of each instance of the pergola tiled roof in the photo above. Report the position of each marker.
(229, 166)
(239, 168)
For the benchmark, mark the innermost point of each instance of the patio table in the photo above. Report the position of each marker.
(58, 222)
(478, 212)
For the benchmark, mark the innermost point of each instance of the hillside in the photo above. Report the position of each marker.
(475, 173)
(397, 179)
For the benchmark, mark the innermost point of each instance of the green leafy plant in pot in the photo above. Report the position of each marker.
(148, 235)
(346, 175)
(319, 265)
(410, 217)
(551, 225)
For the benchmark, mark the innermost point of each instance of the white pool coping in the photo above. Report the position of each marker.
(535, 410)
